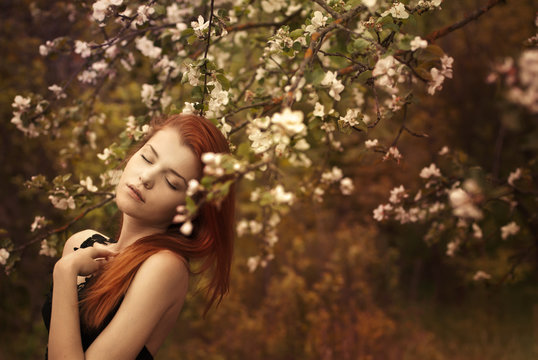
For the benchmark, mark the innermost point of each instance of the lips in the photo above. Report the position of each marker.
(135, 193)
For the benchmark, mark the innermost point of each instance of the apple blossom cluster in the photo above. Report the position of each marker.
(521, 80)
(438, 76)
(454, 209)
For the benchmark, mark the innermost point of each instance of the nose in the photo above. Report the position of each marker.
(146, 179)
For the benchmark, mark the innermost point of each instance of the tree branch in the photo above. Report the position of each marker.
(205, 57)
(470, 17)
(66, 226)
(313, 48)
(327, 8)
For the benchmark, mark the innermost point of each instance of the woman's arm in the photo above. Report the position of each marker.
(64, 334)
(160, 284)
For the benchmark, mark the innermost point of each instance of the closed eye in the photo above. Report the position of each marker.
(146, 159)
(171, 185)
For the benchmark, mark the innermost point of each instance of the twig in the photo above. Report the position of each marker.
(66, 226)
(205, 57)
(315, 44)
(472, 16)
(252, 25)
(372, 85)
(327, 8)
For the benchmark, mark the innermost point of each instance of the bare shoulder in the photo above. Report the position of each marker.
(78, 238)
(167, 262)
(165, 270)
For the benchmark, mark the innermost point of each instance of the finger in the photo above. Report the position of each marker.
(99, 251)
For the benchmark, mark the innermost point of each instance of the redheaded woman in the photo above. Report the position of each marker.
(118, 299)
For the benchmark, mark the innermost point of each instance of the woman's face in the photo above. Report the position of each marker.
(154, 181)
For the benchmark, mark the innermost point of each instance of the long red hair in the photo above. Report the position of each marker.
(212, 239)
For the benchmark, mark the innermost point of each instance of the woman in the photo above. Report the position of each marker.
(139, 282)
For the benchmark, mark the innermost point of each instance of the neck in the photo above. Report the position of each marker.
(132, 230)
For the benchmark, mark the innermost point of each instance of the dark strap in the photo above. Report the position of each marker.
(95, 238)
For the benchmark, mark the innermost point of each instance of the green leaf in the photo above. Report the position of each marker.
(296, 33)
(223, 80)
(360, 45)
(191, 39)
(190, 205)
(364, 76)
(197, 92)
(315, 77)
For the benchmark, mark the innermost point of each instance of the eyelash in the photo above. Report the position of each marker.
(168, 182)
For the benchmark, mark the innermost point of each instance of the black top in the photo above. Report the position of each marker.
(89, 335)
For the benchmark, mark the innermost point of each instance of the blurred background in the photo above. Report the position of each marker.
(342, 285)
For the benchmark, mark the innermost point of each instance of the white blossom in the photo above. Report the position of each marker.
(418, 43)
(105, 154)
(87, 77)
(99, 9)
(270, 6)
(148, 48)
(148, 94)
(452, 246)
(200, 26)
(335, 84)
(290, 121)
(481, 275)
(394, 153)
(225, 128)
(38, 223)
(346, 186)
(242, 227)
(188, 108)
(515, 175)
(351, 117)
(88, 184)
(334, 175)
(437, 81)
(186, 228)
(430, 171)
(21, 103)
(397, 194)
(477, 231)
(62, 203)
(463, 205)
(444, 150)
(397, 11)
(317, 21)
(144, 12)
(252, 263)
(57, 91)
(319, 110)
(46, 249)
(4, 255)
(255, 227)
(193, 187)
(509, 229)
(380, 213)
(370, 143)
(281, 196)
(82, 48)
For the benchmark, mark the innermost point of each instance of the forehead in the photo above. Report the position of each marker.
(173, 153)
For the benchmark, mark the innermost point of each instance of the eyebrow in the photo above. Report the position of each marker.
(171, 170)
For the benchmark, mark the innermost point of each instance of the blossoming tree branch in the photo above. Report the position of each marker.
(286, 82)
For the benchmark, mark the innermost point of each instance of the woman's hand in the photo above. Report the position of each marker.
(85, 261)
